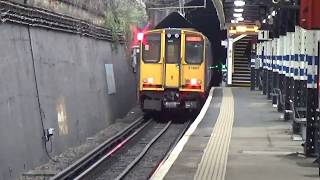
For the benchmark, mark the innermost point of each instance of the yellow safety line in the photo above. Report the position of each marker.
(213, 164)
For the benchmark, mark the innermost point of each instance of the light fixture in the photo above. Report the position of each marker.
(241, 28)
(240, 19)
(140, 36)
(239, 3)
(237, 15)
(234, 21)
(269, 17)
(273, 13)
(264, 21)
(238, 10)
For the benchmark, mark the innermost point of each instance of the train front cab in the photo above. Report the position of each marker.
(152, 70)
(195, 72)
(173, 72)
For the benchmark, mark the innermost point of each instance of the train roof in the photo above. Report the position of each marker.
(175, 20)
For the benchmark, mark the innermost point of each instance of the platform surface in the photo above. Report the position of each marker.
(241, 137)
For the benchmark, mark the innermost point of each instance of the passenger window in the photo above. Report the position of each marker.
(194, 49)
(151, 48)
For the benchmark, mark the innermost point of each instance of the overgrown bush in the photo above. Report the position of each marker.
(121, 15)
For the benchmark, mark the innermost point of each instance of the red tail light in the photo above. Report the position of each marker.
(192, 84)
(149, 83)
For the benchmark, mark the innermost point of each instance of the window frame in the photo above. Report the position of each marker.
(143, 48)
(179, 51)
(203, 49)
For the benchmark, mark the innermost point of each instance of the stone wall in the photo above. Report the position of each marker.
(68, 73)
(89, 10)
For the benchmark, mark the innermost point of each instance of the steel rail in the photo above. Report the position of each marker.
(143, 153)
(167, 154)
(86, 161)
(101, 160)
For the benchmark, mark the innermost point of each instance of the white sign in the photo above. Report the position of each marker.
(111, 84)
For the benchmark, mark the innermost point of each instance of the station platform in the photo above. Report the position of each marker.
(237, 136)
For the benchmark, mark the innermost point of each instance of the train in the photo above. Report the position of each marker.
(175, 71)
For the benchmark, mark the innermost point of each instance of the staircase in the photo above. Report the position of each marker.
(241, 72)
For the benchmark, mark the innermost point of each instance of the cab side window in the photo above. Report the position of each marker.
(151, 48)
(194, 49)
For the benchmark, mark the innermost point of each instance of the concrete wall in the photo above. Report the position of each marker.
(71, 82)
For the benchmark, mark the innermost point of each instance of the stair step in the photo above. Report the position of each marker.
(241, 61)
(240, 55)
(239, 51)
(241, 85)
(241, 69)
(242, 58)
(240, 82)
(237, 48)
(242, 74)
(241, 65)
(242, 42)
(240, 45)
(241, 79)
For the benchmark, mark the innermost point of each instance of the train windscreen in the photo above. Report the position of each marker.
(194, 49)
(173, 49)
(151, 48)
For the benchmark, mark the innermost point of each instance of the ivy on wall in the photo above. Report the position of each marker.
(121, 15)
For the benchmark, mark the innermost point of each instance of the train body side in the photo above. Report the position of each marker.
(174, 70)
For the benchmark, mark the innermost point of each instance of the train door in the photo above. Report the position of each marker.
(172, 58)
(151, 65)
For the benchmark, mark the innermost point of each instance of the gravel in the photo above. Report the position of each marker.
(71, 155)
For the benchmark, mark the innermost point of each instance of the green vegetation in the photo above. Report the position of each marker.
(121, 15)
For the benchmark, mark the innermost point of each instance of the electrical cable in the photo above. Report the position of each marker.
(44, 138)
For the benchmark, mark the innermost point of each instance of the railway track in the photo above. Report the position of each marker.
(90, 158)
(133, 153)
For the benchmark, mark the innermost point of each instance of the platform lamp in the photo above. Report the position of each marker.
(239, 3)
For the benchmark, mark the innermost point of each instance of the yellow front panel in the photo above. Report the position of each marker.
(153, 71)
(172, 75)
(193, 72)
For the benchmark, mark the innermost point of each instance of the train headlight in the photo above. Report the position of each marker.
(149, 80)
(193, 82)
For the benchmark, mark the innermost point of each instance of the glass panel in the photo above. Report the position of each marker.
(173, 50)
(194, 50)
(151, 48)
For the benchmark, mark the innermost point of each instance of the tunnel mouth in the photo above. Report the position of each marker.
(206, 21)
